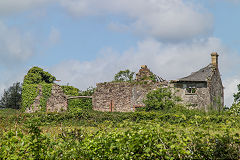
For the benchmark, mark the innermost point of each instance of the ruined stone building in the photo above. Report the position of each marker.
(202, 89)
(125, 96)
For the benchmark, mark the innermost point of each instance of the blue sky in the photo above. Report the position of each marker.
(83, 42)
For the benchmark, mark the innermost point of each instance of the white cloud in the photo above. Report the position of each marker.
(14, 6)
(163, 19)
(15, 46)
(170, 61)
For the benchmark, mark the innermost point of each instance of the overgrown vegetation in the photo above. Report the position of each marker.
(163, 130)
(34, 82)
(81, 103)
(175, 133)
(159, 99)
(36, 75)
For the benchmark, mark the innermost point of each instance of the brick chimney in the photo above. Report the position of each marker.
(214, 56)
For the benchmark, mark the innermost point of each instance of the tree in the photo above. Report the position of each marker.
(36, 75)
(124, 76)
(237, 95)
(12, 97)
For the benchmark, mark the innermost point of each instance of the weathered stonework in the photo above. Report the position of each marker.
(143, 74)
(57, 102)
(216, 90)
(198, 100)
(121, 96)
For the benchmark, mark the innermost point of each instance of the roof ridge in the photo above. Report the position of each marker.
(200, 75)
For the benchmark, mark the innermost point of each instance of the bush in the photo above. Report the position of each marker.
(12, 97)
(160, 99)
(83, 103)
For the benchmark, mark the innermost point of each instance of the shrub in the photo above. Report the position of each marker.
(160, 99)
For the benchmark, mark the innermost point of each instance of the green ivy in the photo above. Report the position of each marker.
(46, 93)
(29, 93)
(37, 75)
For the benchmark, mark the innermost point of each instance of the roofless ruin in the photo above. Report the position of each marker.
(202, 90)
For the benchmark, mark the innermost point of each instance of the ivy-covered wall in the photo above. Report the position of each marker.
(35, 96)
(39, 93)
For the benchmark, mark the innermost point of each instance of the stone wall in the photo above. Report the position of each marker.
(216, 90)
(120, 96)
(198, 100)
(57, 102)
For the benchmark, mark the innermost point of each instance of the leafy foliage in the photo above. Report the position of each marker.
(31, 91)
(36, 79)
(46, 93)
(70, 90)
(126, 140)
(12, 97)
(237, 95)
(82, 103)
(159, 99)
(36, 75)
(124, 76)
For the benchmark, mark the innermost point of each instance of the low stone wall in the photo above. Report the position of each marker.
(120, 96)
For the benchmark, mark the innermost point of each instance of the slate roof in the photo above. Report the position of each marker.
(199, 76)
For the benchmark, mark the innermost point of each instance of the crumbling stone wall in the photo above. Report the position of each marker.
(57, 102)
(121, 96)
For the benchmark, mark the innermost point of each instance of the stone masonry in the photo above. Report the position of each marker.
(57, 102)
(121, 96)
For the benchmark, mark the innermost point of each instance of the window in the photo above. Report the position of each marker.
(191, 90)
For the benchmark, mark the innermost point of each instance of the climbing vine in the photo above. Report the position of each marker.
(46, 93)
(29, 93)
(36, 80)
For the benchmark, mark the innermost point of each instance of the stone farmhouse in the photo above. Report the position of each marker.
(202, 89)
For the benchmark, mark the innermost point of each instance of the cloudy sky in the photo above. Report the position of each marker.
(83, 42)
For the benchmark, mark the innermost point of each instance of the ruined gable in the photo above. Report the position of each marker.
(48, 99)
